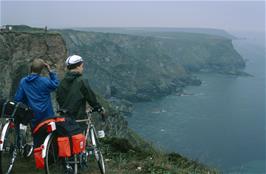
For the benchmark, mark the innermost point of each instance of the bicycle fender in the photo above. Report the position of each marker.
(45, 144)
(3, 134)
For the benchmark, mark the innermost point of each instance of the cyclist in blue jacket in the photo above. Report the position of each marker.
(34, 90)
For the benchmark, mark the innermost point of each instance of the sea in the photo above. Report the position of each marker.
(220, 123)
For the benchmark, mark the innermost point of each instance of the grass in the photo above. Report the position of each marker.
(123, 158)
(126, 159)
(27, 166)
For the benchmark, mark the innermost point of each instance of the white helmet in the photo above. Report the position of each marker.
(71, 60)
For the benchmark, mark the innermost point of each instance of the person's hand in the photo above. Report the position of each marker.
(47, 66)
(88, 109)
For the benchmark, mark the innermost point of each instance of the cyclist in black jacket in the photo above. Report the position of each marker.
(74, 91)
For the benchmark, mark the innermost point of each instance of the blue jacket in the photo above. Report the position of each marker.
(34, 91)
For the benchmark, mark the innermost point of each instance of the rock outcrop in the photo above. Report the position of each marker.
(18, 49)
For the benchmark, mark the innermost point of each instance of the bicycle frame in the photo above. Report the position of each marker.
(90, 129)
(89, 124)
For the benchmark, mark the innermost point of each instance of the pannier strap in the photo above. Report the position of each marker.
(58, 119)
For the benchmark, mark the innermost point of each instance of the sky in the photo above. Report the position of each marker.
(228, 15)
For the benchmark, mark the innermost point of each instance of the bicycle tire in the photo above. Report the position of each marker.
(8, 153)
(96, 149)
(58, 165)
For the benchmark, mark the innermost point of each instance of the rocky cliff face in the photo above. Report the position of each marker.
(18, 49)
(148, 65)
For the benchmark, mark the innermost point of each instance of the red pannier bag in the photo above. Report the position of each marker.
(39, 160)
(79, 143)
(69, 137)
(63, 147)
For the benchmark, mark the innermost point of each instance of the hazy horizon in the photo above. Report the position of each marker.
(227, 15)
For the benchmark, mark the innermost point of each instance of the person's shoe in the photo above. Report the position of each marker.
(27, 150)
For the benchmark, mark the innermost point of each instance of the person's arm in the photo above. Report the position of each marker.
(53, 82)
(91, 99)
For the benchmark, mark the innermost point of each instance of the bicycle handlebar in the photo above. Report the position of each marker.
(90, 111)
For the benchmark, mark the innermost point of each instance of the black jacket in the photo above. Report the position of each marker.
(73, 93)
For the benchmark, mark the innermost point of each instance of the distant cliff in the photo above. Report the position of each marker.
(155, 31)
(153, 64)
(202, 52)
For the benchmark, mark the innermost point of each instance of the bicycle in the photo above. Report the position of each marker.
(94, 140)
(12, 141)
(70, 165)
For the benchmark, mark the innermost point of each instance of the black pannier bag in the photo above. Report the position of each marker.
(67, 127)
(21, 112)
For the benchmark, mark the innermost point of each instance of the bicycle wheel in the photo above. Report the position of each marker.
(96, 150)
(9, 151)
(58, 165)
